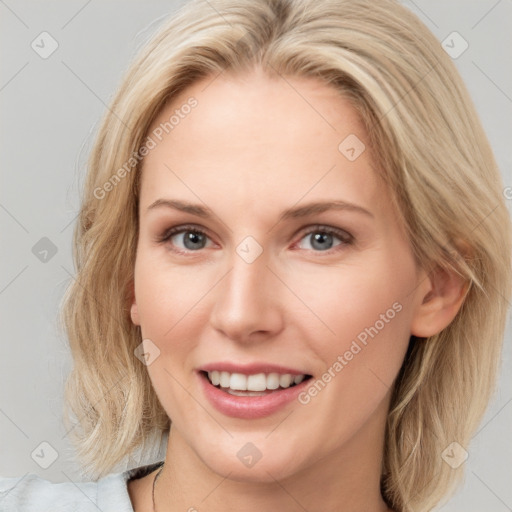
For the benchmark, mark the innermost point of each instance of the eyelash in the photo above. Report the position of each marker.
(345, 237)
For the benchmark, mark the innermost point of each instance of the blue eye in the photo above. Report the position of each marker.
(186, 238)
(324, 239)
(192, 240)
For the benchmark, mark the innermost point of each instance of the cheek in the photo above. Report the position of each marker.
(348, 298)
(369, 312)
(170, 312)
(169, 295)
(359, 312)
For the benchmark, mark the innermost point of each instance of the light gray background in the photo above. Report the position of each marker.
(50, 109)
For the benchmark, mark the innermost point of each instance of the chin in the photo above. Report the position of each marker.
(262, 462)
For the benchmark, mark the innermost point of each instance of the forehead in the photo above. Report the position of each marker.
(251, 136)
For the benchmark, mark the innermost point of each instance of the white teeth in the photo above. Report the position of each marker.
(215, 378)
(298, 379)
(256, 383)
(285, 380)
(224, 379)
(272, 381)
(238, 381)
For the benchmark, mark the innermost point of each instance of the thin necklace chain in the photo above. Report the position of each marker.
(154, 483)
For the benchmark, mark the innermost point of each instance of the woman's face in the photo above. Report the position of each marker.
(269, 252)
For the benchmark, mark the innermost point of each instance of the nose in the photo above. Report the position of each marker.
(247, 304)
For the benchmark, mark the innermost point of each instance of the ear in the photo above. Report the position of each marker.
(441, 296)
(134, 311)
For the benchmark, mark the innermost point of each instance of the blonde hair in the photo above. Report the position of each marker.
(433, 152)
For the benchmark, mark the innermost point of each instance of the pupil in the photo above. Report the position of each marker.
(322, 241)
(194, 240)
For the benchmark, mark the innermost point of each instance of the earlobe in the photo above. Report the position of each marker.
(440, 300)
(134, 310)
(134, 313)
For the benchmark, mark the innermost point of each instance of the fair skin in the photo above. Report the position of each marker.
(252, 148)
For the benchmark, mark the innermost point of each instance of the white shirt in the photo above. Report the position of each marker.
(31, 493)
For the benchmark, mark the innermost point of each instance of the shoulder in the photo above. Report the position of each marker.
(31, 493)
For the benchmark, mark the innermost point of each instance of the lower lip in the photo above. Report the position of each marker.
(249, 407)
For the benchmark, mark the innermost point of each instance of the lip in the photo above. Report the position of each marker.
(249, 369)
(249, 407)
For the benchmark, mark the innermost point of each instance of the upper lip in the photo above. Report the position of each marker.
(250, 368)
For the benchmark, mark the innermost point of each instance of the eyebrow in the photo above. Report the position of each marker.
(290, 213)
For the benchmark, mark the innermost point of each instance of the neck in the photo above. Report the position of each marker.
(347, 479)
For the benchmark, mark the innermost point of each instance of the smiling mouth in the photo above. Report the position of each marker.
(258, 384)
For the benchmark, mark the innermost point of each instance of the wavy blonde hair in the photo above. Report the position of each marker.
(427, 138)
